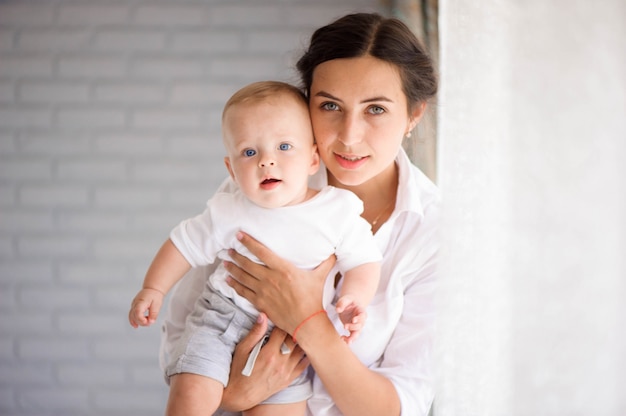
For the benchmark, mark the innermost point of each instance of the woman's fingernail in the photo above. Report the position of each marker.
(239, 235)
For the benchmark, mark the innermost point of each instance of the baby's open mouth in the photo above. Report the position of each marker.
(271, 180)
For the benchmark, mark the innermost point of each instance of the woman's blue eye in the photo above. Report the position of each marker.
(285, 146)
(376, 110)
(249, 152)
(330, 106)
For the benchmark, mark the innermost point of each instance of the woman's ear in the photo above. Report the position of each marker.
(416, 115)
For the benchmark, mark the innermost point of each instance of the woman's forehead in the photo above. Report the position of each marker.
(364, 78)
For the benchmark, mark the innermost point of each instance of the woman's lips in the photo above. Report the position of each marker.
(350, 161)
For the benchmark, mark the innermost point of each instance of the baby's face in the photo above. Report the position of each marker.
(270, 148)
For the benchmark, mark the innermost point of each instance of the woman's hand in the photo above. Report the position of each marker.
(285, 293)
(273, 371)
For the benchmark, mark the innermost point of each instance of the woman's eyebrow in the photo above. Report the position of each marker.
(380, 98)
(324, 94)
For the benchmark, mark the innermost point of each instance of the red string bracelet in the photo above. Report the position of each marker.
(304, 322)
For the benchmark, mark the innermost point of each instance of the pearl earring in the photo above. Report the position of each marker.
(408, 135)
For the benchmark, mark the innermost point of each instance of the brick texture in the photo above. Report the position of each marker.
(109, 135)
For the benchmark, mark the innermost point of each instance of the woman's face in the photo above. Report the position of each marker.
(359, 116)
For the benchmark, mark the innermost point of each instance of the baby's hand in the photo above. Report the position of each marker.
(147, 301)
(352, 315)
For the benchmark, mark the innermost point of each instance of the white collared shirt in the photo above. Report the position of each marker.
(397, 340)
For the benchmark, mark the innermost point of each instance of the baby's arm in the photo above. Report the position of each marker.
(167, 268)
(358, 289)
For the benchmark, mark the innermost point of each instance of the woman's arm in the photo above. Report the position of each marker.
(286, 294)
(275, 370)
(355, 389)
(288, 298)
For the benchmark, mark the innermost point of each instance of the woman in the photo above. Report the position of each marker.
(368, 80)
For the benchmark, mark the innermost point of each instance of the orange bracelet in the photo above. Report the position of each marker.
(304, 322)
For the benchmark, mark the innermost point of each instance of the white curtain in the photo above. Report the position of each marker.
(531, 164)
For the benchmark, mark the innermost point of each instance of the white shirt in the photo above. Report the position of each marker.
(306, 234)
(397, 340)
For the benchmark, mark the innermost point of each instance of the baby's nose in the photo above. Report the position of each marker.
(266, 161)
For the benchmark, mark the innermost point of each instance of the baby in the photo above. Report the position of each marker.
(271, 153)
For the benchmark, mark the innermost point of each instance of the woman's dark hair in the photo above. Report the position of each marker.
(388, 39)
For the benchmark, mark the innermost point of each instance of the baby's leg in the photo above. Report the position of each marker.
(192, 394)
(290, 409)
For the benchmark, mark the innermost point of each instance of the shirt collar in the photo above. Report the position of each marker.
(411, 182)
(413, 185)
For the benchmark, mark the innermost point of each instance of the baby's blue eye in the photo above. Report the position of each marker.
(249, 152)
(285, 146)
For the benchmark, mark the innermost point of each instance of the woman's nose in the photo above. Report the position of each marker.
(351, 131)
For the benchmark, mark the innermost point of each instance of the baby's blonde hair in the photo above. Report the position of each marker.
(259, 91)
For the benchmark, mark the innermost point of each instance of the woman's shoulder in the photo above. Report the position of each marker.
(342, 199)
(416, 192)
(428, 191)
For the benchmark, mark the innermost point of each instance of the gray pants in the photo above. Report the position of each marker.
(212, 332)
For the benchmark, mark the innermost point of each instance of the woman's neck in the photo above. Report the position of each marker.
(378, 195)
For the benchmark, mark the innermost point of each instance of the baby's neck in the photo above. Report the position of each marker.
(310, 193)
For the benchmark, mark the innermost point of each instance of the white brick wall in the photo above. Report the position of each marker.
(109, 135)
